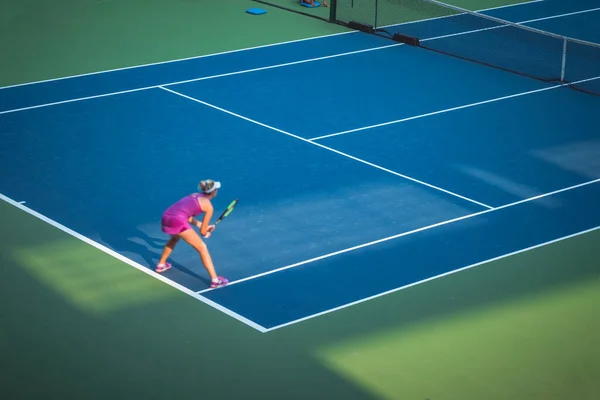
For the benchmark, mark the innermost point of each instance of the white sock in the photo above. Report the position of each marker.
(216, 280)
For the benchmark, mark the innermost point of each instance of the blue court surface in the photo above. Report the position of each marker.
(361, 166)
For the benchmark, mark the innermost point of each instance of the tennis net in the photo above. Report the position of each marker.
(480, 38)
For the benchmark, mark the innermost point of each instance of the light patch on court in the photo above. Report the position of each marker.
(513, 187)
(90, 280)
(582, 158)
(262, 236)
(538, 348)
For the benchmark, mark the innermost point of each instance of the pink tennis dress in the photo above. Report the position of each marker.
(175, 218)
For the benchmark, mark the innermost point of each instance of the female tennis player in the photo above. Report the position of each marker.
(176, 222)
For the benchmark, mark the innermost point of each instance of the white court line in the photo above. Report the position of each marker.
(326, 148)
(75, 100)
(510, 5)
(252, 69)
(531, 29)
(202, 78)
(433, 278)
(177, 60)
(230, 51)
(385, 239)
(453, 109)
(560, 15)
(132, 263)
(245, 71)
(463, 13)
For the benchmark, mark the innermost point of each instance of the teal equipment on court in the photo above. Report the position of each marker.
(256, 11)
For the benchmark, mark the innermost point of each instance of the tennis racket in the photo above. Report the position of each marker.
(227, 211)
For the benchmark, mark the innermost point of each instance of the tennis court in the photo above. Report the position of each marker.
(411, 225)
(362, 166)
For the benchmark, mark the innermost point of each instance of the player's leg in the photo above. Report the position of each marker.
(169, 246)
(193, 239)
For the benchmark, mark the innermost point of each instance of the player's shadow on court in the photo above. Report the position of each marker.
(129, 240)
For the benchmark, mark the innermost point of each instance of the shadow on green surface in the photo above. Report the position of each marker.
(174, 346)
(170, 346)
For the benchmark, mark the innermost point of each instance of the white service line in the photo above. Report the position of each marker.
(452, 109)
(327, 148)
(385, 239)
(245, 71)
(131, 263)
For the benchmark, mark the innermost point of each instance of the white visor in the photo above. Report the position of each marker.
(216, 186)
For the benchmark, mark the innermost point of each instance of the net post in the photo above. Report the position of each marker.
(376, 8)
(564, 60)
(333, 11)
